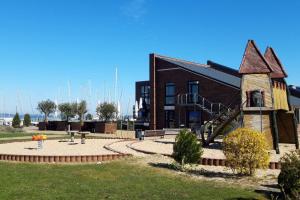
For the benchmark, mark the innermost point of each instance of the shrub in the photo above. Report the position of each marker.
(27, 120)
(246, 150)
(16, 121)
(289, 177)
(187, 149)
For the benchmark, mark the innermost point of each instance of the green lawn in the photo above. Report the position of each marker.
(115, 180)
(14, 134)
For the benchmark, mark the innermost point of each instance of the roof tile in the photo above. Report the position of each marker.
(253, 61)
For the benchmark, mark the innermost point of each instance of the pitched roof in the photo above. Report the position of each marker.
(253, 61)
(204, 70)
(223, 68)
(275, 64)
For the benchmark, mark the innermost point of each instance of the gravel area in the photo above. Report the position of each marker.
(165, 146)
(122, 146)
(57, 147)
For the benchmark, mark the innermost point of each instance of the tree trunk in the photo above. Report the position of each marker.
(46, 118)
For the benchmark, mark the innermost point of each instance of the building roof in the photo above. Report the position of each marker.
(253, 61)
(205, 70)
(221, 73)
(274, 62)
(223, 68)
(294, 90)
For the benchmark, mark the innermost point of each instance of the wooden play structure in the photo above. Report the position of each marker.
(264, 89)
(265, 102)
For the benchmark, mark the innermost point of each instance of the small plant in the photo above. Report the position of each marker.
(16, 123)
(27, 120)
(46, 107)
(107, 111)
(246, 150)
(289, 177)
(187, 149)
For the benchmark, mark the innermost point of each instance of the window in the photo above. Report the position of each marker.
(255, 98)
(145, 93)
(193, 88)
(170, 94)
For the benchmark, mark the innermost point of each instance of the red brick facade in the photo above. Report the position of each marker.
(163, 72)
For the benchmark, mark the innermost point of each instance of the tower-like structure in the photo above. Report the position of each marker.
(265, 97)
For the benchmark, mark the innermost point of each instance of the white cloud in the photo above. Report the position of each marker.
(134, 9)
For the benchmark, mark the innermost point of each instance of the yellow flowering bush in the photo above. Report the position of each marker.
(246, 150)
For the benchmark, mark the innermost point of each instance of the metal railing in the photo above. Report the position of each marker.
(196, 99)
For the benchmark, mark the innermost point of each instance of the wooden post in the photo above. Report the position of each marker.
(275, 129)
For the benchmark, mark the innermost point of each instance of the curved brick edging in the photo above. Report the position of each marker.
(107, 146)
(64, 158)
(206, 161)
(61, 159)
(223, 162)
(144, 151)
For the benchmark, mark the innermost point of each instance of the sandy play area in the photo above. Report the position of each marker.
(58, 147)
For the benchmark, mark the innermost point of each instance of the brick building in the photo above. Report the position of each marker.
(172, 80)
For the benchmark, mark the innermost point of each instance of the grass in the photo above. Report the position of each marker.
(14, 134)
(115, 180)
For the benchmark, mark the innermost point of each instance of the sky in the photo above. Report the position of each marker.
(66, 50)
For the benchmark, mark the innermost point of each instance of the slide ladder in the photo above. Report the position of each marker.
(221, 117)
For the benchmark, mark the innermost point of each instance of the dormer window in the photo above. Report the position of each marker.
(255, 98)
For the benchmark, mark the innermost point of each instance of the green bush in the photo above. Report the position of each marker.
(27, 120)
(16, 123)
(246, 150)
(187, 149)
(289, 177)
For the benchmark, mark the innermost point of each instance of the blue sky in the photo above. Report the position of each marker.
(47, 44)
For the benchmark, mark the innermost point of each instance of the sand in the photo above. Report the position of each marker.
(57, 147)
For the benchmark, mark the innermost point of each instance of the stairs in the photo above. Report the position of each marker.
(221, 115)
(220, 123)
(196, 100)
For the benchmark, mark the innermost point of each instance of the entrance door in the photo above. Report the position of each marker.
(194, 119)
(169, 119)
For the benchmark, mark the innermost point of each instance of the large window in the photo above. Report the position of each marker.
(193, 88)
(145, 93)
(170, 94)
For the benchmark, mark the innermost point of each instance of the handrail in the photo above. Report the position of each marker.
(215, 119)
(196, 99)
